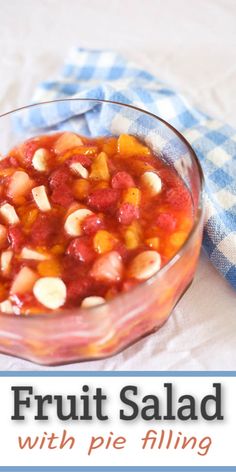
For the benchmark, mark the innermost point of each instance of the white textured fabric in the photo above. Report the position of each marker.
(191, 45)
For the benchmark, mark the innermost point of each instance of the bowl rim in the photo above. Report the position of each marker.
(64, 313)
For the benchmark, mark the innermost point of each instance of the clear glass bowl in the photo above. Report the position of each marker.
(99, 332)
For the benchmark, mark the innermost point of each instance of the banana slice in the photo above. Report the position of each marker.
(5, 261)
(9, 214)
(74, 220)
(77, 168)
(28, 253)
(152, 181)
(6, 307)
(92, 301)
(145, 265)
(50, 291)
(41, 198)
(40, 159)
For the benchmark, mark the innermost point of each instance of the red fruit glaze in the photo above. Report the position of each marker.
(166, 221)
(178, 197)
(91, 255)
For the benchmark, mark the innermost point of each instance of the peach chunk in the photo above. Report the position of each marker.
(67, 141)
(20, 184)
(24, 281)
(129, 146)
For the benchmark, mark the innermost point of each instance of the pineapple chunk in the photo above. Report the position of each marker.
(129, 146)
(103, 241)
(132, 195)
(24, 281)
(67, 141)
(99, 168)
(132, 235)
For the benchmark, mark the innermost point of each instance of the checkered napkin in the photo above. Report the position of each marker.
(106, 75)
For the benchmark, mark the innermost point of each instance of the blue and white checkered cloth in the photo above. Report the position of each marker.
(106, 75)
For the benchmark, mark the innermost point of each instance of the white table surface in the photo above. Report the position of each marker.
(191, 44)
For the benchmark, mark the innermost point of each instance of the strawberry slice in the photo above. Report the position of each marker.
(62, 196)
(92, 224)
(103, 199)
(59, 177)
(122, 180)
(28, 152)
(127, 213)
(80, 249)
(16, 237)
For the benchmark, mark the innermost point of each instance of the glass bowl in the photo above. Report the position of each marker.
(102, 331)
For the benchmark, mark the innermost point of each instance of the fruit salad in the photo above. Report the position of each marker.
(83, 220)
